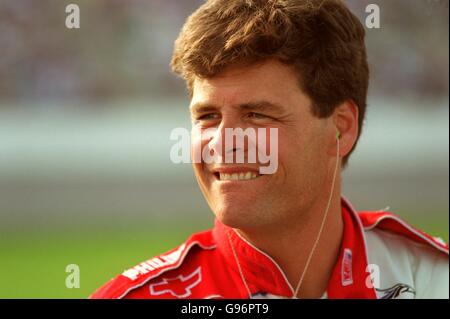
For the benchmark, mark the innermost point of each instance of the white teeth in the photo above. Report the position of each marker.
(238, 176)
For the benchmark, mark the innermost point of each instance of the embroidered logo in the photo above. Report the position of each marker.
(347, 268)
(154, 263)
(180, 286)
(395, 291)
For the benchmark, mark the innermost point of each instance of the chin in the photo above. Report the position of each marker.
(237, 216)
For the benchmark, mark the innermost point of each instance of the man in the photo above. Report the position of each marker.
(300, 67)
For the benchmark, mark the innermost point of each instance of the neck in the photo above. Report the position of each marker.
(291, 244)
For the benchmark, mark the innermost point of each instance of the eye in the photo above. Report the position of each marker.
(207, 117)
(257, 116)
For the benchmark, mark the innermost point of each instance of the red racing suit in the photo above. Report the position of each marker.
(380, 257)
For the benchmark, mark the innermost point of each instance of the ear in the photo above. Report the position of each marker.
(345, 119)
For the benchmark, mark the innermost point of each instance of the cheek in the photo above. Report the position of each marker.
(297, 158)
(196, 146)
(290, 149)
(202, 178)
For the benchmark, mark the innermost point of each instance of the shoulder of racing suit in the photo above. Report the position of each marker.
(404, 262)
(180, 268)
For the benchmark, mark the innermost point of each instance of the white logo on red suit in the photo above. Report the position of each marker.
(180, 286)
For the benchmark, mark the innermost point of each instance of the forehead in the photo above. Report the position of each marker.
(269, 80)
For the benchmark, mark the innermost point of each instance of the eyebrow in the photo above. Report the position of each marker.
(250, 106)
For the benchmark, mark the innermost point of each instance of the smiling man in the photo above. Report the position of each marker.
(299, 68)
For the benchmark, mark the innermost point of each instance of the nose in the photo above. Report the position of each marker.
(216, 141)
(226, 140)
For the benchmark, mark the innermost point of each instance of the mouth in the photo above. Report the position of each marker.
(236, 176)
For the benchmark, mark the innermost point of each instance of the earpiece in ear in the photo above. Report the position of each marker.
(338, 135)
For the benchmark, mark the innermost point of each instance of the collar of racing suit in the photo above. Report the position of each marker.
(349, 278)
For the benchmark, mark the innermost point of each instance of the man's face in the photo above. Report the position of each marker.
(265, 95)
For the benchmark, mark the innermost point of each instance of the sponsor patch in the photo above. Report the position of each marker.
(347, 268)
(395, 292)
(180, 286)
(154, 263)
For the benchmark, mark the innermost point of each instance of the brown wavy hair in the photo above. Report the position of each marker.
(321, 39)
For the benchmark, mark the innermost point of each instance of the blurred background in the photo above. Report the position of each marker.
(85, 118)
